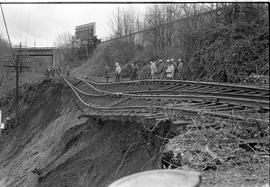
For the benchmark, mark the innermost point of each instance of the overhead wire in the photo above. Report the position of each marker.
(27, 27)
(28, 22)
(10, 45)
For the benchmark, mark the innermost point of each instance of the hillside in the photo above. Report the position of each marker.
(53, 145)
(93, 65)
(219, 53)
(65, 149)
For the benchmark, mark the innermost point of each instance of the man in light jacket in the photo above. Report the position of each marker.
(153, 67)
(170, 71)
(117, 72)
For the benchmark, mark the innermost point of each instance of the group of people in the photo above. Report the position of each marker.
(133, 74)
(160, 69)
(169, 69)
(56, 71)
(117, 73)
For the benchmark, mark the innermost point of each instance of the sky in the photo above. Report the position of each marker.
(40, 24)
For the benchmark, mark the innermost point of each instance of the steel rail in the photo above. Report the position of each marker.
(179, 109)
(237, 100)
(174, 92)
(88, 94)
(100, 107)
(197, 93)
(215, 91)
(243, 87)
(186, 92)
(93, 87)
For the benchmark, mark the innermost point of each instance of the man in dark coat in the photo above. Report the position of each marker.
(180, 69)
(134, 71)
(106, 73)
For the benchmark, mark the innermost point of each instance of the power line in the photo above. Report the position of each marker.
(28, 22)
(6, 30)
(18, 67)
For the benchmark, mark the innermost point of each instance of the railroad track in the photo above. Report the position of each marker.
(158, 99)
(176, 87)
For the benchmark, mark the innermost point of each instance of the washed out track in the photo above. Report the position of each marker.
(170, 100)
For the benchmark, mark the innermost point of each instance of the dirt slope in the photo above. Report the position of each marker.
(53, 146)
(95, 64)
(68, 151)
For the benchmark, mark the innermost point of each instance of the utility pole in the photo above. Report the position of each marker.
(18, 67)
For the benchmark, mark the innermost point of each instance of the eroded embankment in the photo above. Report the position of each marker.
(64, 150)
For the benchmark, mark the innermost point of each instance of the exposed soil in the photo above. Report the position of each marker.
(107, 153)
(53, 146)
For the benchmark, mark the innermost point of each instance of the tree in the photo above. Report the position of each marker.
(204, 35)
(4, 50)
(123, 24)
(64, 45)
(64, 40)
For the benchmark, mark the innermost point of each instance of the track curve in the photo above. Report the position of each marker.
(181, 96)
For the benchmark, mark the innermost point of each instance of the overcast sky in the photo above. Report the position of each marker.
(41, 23)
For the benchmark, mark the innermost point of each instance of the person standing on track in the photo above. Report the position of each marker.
(107, 71)
(174, 63)
(151, 72)
(117, 72)
(180, 69)
(165, 67)
(170, 71)
(136, 69)
(131, 75)
(153, 67)
(160, 69)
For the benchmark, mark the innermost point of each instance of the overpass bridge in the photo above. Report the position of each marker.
(34, 51)
(39, 51)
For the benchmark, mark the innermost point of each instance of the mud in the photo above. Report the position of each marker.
(53, 147)
(107, 153)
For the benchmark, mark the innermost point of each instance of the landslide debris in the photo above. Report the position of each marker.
(51, 146)
(54, 146)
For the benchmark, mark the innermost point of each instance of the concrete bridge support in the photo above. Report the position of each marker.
(58, 58)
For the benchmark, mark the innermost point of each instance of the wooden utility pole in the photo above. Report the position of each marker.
(18, 67)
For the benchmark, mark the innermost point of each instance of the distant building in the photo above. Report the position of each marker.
(85, 40)
(85, 31)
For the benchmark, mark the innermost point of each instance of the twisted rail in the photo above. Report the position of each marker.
(117, 97)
